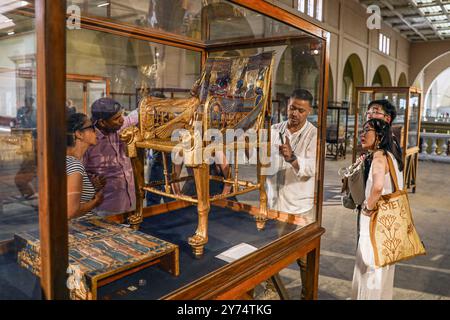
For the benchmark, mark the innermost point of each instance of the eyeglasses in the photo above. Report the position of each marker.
(372, 113)
(364, 131)
(92, 127)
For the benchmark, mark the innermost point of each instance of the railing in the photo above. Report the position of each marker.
(435, 147)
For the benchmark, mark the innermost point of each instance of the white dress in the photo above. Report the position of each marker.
(369, 282)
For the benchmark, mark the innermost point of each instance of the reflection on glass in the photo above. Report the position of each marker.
(82, 91)
(18, 171)
(75, 96)
(364, 100)
(95, 90)
(337, 127)
(297, 66)
(210, 21)
(130, 66)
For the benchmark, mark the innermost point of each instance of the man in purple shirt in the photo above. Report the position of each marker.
(108, 159)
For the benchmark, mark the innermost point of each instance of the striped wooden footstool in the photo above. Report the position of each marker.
(101, 252)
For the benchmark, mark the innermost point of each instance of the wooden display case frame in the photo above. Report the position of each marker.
(230, 282)
(85, 80)
(411, 153)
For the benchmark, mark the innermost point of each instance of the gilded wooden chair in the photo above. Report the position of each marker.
(232, 93)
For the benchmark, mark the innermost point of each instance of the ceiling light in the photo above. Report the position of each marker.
(11, 33)
(443, 25)
(12, 5)
(437, 18)
(430, 10)
(5, 22)
(103, 4)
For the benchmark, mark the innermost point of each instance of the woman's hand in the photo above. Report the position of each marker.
(98, 199)
(99, 182)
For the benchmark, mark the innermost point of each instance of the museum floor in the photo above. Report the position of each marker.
(424, 277)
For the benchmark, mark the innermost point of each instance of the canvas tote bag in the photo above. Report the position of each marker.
(392, 232)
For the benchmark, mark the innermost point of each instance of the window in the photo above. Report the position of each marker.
(319, 10)
(301, 6)
(313, 8)
(384, 44)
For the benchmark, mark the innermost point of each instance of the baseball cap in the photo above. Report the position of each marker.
(105, 108)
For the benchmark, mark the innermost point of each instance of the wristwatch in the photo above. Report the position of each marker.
(292, 159)
(367, 210)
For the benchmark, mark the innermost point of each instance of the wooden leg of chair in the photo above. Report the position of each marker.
(136, 218)
(167, 186)
(198, 241)
(261, 219)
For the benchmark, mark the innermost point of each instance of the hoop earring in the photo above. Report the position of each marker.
(377, 143)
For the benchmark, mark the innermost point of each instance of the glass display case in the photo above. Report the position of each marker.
(160, 49)
(406, 126)
(337, 130)
(83, 90)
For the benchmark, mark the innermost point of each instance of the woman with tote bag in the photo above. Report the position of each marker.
(369, 281)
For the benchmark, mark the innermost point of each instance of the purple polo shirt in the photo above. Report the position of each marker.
(108, 158)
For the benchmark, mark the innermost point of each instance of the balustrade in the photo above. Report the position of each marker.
(435, 146)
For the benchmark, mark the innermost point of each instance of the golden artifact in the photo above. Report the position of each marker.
(392, 232)
(232, 93)
(18, 145)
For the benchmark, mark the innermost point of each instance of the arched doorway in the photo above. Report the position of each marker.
(382, 77)
(402, 81)
(353, 77)
(437, 100)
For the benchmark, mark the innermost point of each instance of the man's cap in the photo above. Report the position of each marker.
(105, 108)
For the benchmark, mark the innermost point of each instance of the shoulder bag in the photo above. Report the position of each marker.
(392, 232)
(353, 185)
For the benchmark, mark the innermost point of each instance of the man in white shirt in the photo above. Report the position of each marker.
(291, 187)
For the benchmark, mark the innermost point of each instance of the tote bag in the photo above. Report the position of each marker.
(392, 232)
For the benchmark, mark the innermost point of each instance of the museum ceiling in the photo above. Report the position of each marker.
(418, 20)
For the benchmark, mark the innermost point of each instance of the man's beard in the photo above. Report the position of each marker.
(109, 130)
(293, 122)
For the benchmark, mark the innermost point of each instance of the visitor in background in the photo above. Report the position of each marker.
(26, 122)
